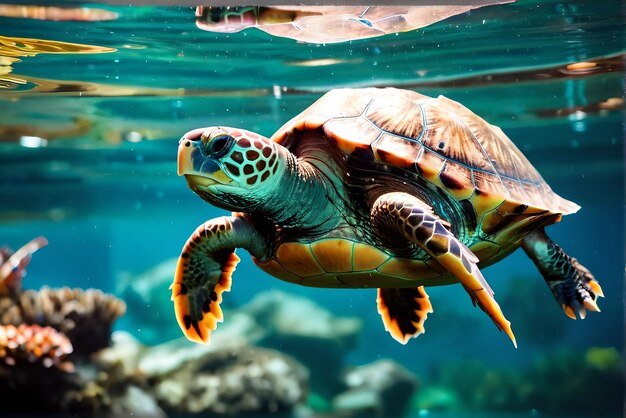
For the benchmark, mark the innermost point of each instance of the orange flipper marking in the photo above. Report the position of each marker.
(477, 287)
(404, 311)
(211, 314)
(595, 287)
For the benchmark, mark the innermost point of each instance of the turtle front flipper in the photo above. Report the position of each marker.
(404, 311)
(204, 272)
(403, 213)
(573, 286)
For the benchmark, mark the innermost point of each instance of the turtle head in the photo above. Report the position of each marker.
(231, 168)
(226, 19)
(237, 18)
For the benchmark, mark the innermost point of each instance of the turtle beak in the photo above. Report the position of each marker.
(188, 151)
(198, 169)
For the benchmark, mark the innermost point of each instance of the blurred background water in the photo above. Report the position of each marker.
(100, 182)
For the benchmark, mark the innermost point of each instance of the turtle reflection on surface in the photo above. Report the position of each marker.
(329, 24)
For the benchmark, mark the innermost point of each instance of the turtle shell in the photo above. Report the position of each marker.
(441, 141)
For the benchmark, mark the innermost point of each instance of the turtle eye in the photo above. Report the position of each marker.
(220, 145)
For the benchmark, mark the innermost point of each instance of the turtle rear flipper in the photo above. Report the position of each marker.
(404, 311)
(573, 286)
(415, 220)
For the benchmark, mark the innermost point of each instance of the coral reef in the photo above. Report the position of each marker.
(34, 365)
(85, 316)
(46, 338)
(230, 377)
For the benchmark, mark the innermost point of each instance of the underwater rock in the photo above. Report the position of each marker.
(124, 353)
(227, 378)
(85, 316)
(136, 402)
(301, 328)
(109, 384)
(383, 388)
(97, 398)
(437, 398)
(286, 314)
(168, 358)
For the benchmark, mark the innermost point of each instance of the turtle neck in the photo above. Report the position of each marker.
(302, 199)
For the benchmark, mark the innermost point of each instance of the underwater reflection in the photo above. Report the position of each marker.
(599, 65)
(83, 14)
(21, 132)
(329, 24)
(14, 48)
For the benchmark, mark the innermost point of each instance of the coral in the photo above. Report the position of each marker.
(122, 357)
(85, 316)
(34, 344)
(33, 367)
(41, 331)
(13, 265)
(9, 311)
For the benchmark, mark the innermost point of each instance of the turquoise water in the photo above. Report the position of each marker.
(105, 193)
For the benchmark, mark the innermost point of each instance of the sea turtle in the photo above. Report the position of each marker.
(372, 188)
(329, 24)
